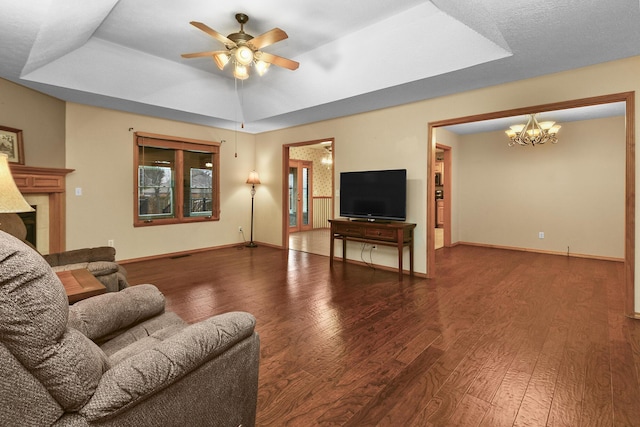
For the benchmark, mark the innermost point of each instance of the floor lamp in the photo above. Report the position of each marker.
(253, 179)
(11, 200)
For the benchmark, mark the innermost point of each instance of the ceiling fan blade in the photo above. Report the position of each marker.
(279, 61)
(213, 33)
(268, 38)
(201, 54)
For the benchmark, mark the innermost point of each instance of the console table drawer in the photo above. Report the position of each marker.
(381, 234)
(347, 230)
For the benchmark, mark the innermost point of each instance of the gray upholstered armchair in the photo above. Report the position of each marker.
(116, 359)
(100, 261)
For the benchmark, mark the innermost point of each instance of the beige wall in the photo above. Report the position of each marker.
(100, 149)
(362, 142)
(572, 191)
(41, 119)
(99, 146)
(397, 138)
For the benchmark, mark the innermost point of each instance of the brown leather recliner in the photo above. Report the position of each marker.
(100, 261)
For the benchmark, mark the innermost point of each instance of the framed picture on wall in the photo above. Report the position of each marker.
(11, 144)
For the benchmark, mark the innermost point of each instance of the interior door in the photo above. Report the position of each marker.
(300, 191)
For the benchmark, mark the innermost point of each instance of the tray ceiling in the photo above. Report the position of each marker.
(354, 56)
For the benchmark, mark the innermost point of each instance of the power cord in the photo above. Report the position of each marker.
(244, 240)
(362, 251)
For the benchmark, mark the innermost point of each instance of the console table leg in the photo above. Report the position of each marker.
(344, 250)
(400, 239)
(331, 251)
(411, 258)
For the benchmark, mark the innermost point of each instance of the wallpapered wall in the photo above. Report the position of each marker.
(321, 173)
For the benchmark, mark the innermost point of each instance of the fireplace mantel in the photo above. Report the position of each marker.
(50, 181)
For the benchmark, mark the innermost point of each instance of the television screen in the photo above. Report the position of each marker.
(374, 195)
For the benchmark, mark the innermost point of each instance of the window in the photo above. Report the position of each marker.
(177, 180)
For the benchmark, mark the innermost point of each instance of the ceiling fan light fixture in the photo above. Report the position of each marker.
(243, 50)
(240, 72)
(244, 55)
(262, 67)
(221, 60)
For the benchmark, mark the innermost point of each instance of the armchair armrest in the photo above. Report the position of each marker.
(151, 372)
(101, 253)
(101, 315)
(97, 268)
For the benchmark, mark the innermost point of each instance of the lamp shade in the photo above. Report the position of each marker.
(244, 55)
(254, 178)
(262, 67)
(11, 199)
(240, 72)
(221, 60)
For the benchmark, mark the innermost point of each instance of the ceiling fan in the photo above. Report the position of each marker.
(243, 49)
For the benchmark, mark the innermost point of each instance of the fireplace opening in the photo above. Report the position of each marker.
(29, 219)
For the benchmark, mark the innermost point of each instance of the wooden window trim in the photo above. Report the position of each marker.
(179, 144)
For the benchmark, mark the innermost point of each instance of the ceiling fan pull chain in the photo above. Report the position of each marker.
(242, 103)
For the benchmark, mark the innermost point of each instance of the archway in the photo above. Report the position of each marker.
(629, 228)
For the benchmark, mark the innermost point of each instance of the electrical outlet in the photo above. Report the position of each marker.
(110, 243)
(541, 235)
(239, 229)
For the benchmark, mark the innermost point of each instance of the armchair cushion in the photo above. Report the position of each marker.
(144, 374)
(105, 314)
(33, 327)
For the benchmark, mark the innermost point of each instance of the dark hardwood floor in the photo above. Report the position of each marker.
(499, 338)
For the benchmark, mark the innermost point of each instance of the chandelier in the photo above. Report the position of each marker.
(533, 132)
(327, 159)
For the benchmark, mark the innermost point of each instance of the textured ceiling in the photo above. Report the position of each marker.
(354, 56)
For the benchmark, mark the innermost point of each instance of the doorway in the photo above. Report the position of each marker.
(443, 196)
(307, 207)
(300, 193)
(628, 98)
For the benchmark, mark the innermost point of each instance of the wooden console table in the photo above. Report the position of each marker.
(398, 234)
(80, 284)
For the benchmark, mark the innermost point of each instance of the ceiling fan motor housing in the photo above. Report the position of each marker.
(240, 38)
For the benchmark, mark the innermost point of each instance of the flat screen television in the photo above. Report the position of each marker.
(374, 195)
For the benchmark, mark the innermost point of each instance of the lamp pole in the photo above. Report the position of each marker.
(252, 244)
(253, 179)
